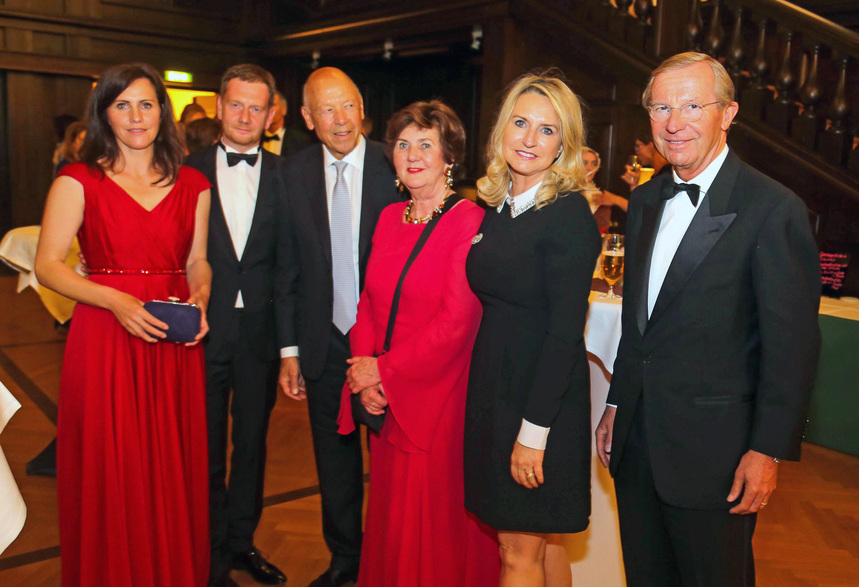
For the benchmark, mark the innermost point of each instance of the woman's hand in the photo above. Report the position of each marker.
(526, 466)
(131, 314)
(373, 399)
(363, 373)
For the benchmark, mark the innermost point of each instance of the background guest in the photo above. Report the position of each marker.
(417, 530)
(70, 149)
(201, 134)
(190, 113)
(279, 139)
(648, 156)
(132, 409)
(600, 201)
(527, 453)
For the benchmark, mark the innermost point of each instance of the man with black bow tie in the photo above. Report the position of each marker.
(250, 316)
(277, 138)
(720, 342)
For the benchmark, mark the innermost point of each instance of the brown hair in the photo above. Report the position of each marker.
(436, 115)
(201, 133)
(248, 72)
(190, 110)
(100, 149)
(67, 149)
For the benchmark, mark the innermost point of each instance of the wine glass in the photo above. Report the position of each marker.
(634, 163)
(612, 263)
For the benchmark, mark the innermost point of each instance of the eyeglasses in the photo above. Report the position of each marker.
(688, 112)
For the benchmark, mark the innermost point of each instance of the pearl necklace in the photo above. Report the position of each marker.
(407, 213)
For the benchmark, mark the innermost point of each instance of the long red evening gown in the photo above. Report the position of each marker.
(417, 531)
(132, 464)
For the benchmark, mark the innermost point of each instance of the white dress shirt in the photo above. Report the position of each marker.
(676, 218)
(354, 174)
(237, 189)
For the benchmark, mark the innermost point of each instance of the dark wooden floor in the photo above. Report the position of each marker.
(808, 536)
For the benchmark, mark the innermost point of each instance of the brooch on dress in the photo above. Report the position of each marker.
(477, 238)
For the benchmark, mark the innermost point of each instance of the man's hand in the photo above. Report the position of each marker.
(755, 480)
(290, 380)
(631, 177)
(603, 435)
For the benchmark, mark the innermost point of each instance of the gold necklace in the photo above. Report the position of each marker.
(407, 213)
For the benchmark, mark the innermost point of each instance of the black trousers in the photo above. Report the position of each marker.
(241, 383)
(668, 546)
(339, 462)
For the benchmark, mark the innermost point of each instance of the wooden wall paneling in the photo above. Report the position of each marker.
(33, 100)
(39, 6)
(5, 191)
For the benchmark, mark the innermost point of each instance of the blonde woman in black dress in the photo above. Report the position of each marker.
(527, 444)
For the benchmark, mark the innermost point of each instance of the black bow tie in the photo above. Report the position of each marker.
(693, 190)
(249, 158)
(269, 137)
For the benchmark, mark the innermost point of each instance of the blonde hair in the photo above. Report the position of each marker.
(566, 173)
(723, 86)
(595, 154)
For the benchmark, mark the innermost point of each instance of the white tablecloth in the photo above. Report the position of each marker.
(595, 554)
(13, 512)
(18, 250)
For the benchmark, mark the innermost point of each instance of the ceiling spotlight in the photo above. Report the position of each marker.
(476, 35)
(389, 46)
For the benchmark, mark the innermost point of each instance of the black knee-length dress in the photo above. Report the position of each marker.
(532, 274)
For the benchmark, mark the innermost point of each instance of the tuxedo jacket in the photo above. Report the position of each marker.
(265, 265)
(726, 361)
(307, 209)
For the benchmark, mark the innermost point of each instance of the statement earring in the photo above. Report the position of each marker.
(448, 177)
(399, 184)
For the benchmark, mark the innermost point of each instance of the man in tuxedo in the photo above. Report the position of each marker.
(277, 138)
(336, 192)
(719, 346)
(249, 316)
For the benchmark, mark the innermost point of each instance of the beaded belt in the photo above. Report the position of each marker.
(95, 271)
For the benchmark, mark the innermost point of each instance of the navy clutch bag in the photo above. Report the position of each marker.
(183, 320)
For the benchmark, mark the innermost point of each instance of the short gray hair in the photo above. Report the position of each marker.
(724, 88)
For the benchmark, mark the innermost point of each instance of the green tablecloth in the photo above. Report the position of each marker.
(833, 417)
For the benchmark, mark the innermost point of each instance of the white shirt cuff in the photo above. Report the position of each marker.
(611, 406)
(533, 436)
(289, 351)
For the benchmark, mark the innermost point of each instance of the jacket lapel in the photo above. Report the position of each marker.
(708, 225)
(369, 194)
(318, 201)
(217, 221)
(265, 191)
(650, 217)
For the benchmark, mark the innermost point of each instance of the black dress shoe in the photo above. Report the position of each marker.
(335, 578)
(260, 569)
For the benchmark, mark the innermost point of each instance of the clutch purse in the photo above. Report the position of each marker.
(362, 416)
(183, 320)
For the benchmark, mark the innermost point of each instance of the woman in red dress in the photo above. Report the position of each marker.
(132, 474)
(417, 531)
